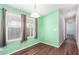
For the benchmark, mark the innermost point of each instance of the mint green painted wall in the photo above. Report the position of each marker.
(49, 29)
(16, 45)
(46, 32)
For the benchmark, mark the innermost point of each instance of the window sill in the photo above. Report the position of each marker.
(13, 40)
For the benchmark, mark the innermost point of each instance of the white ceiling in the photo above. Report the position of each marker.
(42, 9)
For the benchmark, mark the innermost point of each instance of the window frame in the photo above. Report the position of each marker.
(34, 26)
(15, 39)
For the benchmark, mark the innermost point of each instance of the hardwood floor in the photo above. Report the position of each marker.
(69, 47)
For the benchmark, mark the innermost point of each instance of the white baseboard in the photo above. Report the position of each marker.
(20, 49)
(61, 43)
(50, 44)
(34, 44)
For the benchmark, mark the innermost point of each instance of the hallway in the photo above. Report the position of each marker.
(69, 47)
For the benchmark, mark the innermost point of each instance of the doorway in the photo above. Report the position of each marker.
(70, 27)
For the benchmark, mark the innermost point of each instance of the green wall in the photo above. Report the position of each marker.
(49, 29)
(16, 45)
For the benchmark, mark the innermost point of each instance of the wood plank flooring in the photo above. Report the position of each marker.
(69, 47)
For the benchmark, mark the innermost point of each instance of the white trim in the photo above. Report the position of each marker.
(33, 25)
(21, 49)
(77, 25)
(6, 27)
(49, 44)
(61, 43)
(13, 40)
(77, 41)
(12, 14)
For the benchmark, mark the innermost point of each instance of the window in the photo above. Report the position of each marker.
(13, 26)
(30, 27)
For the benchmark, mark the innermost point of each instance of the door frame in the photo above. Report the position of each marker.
(65, 18)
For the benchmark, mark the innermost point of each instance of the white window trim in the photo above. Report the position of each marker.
(34, 32)
(7, 30)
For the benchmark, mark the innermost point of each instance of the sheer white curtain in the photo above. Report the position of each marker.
(30, 27)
